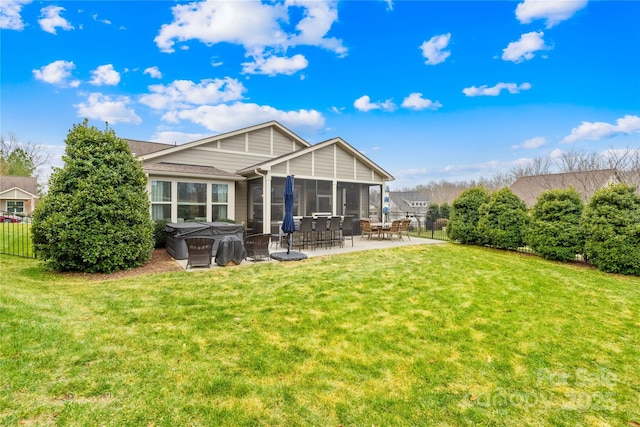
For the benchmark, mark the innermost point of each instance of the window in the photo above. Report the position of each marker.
(219, 201)
(192, 201)
(161, 200)
(15, 206)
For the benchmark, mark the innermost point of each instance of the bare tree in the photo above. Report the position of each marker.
(30, 155)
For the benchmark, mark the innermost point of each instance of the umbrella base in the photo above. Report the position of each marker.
(291, 256)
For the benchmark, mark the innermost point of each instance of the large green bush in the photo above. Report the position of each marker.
(95, 217)
(611, 224)
(503, 220)
(464, 217)
(554, 231)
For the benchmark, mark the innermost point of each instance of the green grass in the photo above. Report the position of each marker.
(15, 239)
(438, 335)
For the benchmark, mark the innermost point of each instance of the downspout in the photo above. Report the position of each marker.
(266, 213)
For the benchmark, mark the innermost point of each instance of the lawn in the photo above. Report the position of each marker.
(436, 335)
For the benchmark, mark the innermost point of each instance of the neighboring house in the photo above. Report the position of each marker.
(586, 183)
(18, 194)
(403, 204)
(240, 175)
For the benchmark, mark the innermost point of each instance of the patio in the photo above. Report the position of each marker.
(359, 244)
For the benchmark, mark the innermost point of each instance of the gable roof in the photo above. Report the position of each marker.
(142, 148)
(528, 188)
(168, 149)
(27, 184)
(310, 148)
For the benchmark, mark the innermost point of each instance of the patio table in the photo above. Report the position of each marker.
(380, 227)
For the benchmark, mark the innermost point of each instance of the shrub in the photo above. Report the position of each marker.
(611, 225)
(464, 217)
(503, 220)
(160, 233)
(95, 217)
(554, 231)
(445, 210)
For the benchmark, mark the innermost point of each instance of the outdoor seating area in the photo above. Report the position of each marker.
(385, 230)
(259, 247)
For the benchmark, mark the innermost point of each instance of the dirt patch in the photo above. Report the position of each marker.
(160, 262)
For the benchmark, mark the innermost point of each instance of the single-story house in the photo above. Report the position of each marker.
(240, 175)
(18, 194)
(528, 188)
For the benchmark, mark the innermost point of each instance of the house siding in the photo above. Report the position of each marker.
(345, 165)
(260, 141)
(301, 165)
(235, 143)
(282, 144)
(324, 162)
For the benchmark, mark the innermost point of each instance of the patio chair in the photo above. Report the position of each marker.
(306, 236)
(199, 250)
(322, 232)
(404, 228)
(394, 229)
(365, 226)
(334, 232)
(347, 229)
(257, 246)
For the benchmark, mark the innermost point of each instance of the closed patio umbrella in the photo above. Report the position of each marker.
(288, 224)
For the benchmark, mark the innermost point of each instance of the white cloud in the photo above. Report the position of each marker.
(261, 28)
(50, 19)
(154, 72)
(523, 49)
(553, 11)
(364, 104)
(485, 90)
(556, 154)
(107, 109)
(433, 50)
(10, 18)
(105, 75)
(104, 21)
(389, 5)
(415, 101)
(532, 143)
(222, 118)
(185, 93)
(274, 65)
(599, 130)
(57, 73)
(336, 110)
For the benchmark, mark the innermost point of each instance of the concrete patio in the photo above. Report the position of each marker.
(359, 244)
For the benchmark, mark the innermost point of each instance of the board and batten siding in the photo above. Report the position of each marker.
(259, 141)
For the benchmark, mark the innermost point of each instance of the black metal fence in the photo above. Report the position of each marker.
(15, 235)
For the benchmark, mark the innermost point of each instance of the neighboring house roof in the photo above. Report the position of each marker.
(191, 170)
(528, 188)
(402, 200)
(10, 184)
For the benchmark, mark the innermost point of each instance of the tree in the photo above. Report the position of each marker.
(503, 220)
(611, 225)
(445, 210)
(21, 158)
(431, 215)
(463, 222)
(95, 217)
(554, 231)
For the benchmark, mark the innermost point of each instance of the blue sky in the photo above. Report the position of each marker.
(429, 90)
